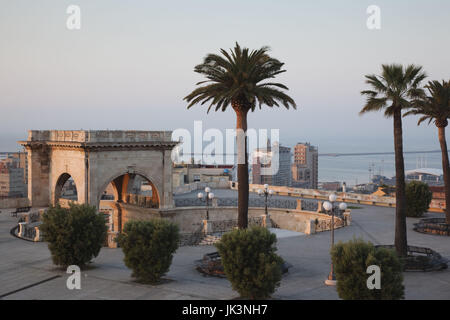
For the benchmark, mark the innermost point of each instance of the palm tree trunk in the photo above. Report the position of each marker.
(446, 169)
(242, 174)
(401, 244)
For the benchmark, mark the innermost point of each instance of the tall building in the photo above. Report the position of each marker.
(265, 169)
(13, 175)
(305, 169)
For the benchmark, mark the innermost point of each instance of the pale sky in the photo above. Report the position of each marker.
(131, 63)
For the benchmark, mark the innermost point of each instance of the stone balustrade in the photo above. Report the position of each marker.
(116, 136)
(366, 199)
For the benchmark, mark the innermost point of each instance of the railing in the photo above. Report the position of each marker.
(140, 200)
(192, 238)
(187, 188)
(223, 226)
(30, 231)
(366, 199)
(209, 232)
(306, 205)
(325, 224)
(421, 259)
(433, 226)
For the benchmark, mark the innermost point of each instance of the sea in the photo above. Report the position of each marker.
(357, 169)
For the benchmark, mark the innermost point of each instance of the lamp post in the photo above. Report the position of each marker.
(329, 207)
(209, 196)
(265, 193)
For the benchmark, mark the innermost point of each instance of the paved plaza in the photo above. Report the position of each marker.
(26, 270)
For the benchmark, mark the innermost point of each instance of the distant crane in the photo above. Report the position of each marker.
(371, 171)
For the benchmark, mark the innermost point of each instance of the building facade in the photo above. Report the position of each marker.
(190, 173)
(430, 176)
(305, 169)
(271, 166)
(13, 175)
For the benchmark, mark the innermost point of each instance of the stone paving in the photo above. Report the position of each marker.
(26, 270)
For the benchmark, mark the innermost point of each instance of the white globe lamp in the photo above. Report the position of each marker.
(327, 206)
(332, 197)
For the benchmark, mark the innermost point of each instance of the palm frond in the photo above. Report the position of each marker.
(238, 75)
(395, 88)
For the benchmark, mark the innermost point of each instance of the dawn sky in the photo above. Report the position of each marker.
(131, 63)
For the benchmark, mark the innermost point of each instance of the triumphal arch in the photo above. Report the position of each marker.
(95, 159)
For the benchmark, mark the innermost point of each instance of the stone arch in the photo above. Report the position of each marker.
(60, 182)
(121, 186)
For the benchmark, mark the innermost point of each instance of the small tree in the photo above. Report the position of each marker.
(418, 198)
(75, 235)
(149, 247)
(250, 262)
(351, 261)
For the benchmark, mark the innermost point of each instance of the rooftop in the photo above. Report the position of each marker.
(429, 171)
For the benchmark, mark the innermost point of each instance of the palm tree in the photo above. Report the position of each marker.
(393, 91)
(234, 79)
(436, 107)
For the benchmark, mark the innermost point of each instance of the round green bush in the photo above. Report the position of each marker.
(148, 247)
(250, 262)
(418, 198)
(75, 235)
(351, 260)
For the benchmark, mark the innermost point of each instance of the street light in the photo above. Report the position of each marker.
(329, 207)
(209, 196)
(265, 193)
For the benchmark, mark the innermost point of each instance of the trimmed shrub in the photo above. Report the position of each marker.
(418, 199)
(74, 235)
(351, 260)
(149, 247)
(250, 262)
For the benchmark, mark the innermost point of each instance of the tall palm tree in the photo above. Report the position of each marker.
(436, 107)
(393, 91)
(235, 79)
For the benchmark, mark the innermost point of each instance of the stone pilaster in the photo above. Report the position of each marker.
(38, 176)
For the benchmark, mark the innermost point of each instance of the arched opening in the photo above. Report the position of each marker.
(65, 190)
(130, 190)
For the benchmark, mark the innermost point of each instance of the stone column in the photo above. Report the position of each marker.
(319, 206)
(267, 223)
(207, 227)
(112, 235)
(21, 229)
(348, 218)
(38, 176)
(299, 204)
(37, 236)
(167, 192)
